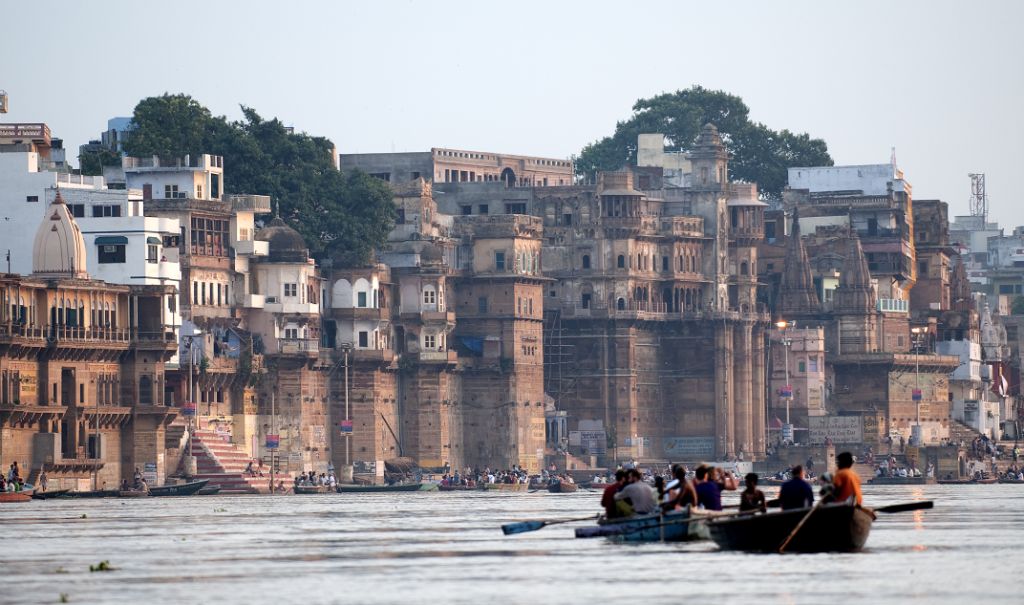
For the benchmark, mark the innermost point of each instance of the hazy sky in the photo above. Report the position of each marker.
(943, 82)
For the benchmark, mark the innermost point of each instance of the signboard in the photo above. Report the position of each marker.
(840, 429)
(786, 391)
(346, 427)
(273, 441)
(916, 395)
(28, 388)
(188, 408)
(149, 472)
(689, 448)
(594, 442)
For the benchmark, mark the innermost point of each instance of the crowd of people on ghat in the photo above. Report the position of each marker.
(630, 493)
(312, 479)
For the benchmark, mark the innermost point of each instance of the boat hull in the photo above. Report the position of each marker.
(832, 528)
(902, 481)
(373, 489)
(677, 526)
(15, 497)
(312, 489)
(562, 488)
(99, 493)
(60, 493)
(183, 489)
(505, 487)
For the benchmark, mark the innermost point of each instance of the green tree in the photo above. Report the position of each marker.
(341, 215)
(760, 155)
(92, 162)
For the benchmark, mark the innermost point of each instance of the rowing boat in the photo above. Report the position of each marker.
(880, 480)
(312, 489)
(506, 487)
(182, 489)
(832, 528)
(562, 487)
(50, 495)
(15, 497)
(133, 493)
(675, 526)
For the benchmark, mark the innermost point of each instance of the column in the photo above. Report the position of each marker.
(724, 430)
(757, 401)
(742, 389)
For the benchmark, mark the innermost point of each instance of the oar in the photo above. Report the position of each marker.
(902, 508)
(799, 525)
(525, 526)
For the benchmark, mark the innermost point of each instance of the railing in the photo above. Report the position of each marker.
(294, 346)
(892, 305)
(445, 356)
(35, 131)
(65, 333)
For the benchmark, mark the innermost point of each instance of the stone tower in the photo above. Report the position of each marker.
(710, 162)
(797, 295)
(855, 302)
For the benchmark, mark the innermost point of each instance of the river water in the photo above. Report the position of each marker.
(448, 548)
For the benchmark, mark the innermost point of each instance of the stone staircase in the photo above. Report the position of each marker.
(223, 464)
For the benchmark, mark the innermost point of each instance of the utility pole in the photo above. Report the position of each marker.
(347, 473)
(916, 431)
(787, 389)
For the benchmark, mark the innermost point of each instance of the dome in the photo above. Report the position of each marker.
(286, 244)
(59, 248)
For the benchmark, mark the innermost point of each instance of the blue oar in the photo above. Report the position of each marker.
(525, 526)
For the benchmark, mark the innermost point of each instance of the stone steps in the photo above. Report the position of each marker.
(223, 464)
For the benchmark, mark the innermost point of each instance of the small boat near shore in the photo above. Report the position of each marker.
(133, 493)
(986, 481)
(505, 487)
(97, 493)
(59, 493)
(375, 489)
(15, 497)
(209, 490)
(181, 489)
(902, 480)
(457, 488)
(562, 487)
(312, 489)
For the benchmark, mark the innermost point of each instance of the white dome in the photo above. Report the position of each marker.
(59, 247)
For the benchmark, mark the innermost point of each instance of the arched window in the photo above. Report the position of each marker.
(621, 304)
(586, 261)
(145, 390)
(743, 268)
(621, 263)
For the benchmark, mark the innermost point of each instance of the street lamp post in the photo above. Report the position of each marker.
(916, 433)
(787, 389)
(347, 472)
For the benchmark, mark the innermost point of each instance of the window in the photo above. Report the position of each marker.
(31, 198)
(482, 209)
(801, 366)
(400, 219)
(567, 219)
(515, 208)
(77, 210)
(152, 253)
(361, 299)
(214, 186)
(499, 261)
(101, 210)
(814, 364)
(199, 192)
(664, 263)
(291, 290)
(291, 333)
(415, 175)
(429, 341)
(111, 254)
(481, 304)
(429, 297)
(209, 236)
(922, 268)
(621, 263)
(586, 261)
(170, 191)
(364, 339)
(467, 210)
(585, 301)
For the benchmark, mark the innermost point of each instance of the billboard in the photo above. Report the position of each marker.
(689, 448)
(594, 442)
(840, 429)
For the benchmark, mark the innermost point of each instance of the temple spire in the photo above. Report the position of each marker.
(797, 295)
(856, 293)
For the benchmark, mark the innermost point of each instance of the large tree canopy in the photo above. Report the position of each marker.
(760, 155)
(341, 215)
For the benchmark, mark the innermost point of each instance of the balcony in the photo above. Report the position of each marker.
(438, 316)
(252, 248)
(253, 301)
(298, 346)
(245, 202)
(276, 305)
(373, 355)
(892, 305)
(361, 314)
(438, 357)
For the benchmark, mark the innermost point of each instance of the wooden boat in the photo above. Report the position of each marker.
(505, 487)
(676, 526)
(15, 496)
(312, 489)
(182, 489)
(209, 490)
(59, 493)
(562, 487)
(374, 489)
(832, 528)
(98, 493)
(132, 493)
(456, 488)
(902, 480)
(986, 481)
(1008, 480)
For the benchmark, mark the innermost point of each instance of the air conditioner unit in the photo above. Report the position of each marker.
(271, 299)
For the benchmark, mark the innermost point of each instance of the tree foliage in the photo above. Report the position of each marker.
(341, 215)
(760, 154)
(92, 162)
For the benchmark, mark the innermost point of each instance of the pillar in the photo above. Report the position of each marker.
(758, 410)
(724, 430)
(742, 389)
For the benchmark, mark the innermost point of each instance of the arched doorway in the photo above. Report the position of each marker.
(508, 177)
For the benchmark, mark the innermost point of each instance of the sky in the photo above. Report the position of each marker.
(941, 81)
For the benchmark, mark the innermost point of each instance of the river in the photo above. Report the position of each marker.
(447, 548)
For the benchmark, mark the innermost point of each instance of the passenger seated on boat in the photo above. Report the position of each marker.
(637, 494)
(608, 496)
(710, 485)
(751, 498)
(846, 483)
(681, 492)
(796, 493)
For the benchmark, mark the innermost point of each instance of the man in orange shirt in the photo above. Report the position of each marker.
(846, 483)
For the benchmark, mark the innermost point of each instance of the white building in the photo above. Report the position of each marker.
(125, 247)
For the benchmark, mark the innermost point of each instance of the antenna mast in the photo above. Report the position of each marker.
(979, 201)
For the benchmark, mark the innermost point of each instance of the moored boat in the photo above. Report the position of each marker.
(182, 489)
(209, 490)
(59, 493)
(96, 493)
(831, 528)
(902, 480)
(986, 481)
(133, 493)
(15, 497)
(506, 487)
(312, 489)
(456, 488)
(1008, 480)
(562, 487)
(398, 487)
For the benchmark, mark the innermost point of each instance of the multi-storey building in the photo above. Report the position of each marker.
(82, 387)
(441, 165)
